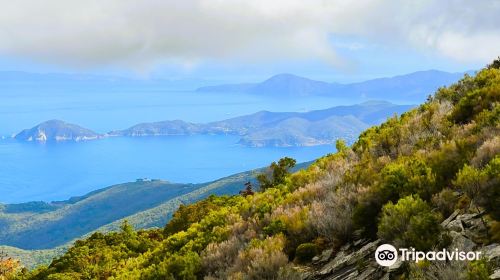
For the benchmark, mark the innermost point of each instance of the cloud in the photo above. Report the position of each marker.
(140, 33)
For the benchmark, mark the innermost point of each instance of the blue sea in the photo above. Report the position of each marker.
(32, 171)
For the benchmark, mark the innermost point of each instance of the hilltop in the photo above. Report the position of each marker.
(413, 87)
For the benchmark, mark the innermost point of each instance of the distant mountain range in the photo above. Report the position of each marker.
(279, 129)
(414, 87)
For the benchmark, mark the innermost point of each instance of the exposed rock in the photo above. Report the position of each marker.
(324, 257)
(455, 225)
(351, 262)
(492, 252)
(356, 260)
(450, 218)
(461, 242)
(495, 275)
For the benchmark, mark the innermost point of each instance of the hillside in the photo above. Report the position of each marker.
(56, 131)
(281, 129)
(413, 87)
(71, 219)
(45, 225)
(396, 184)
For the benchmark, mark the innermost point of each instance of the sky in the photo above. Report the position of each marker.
(242, 40)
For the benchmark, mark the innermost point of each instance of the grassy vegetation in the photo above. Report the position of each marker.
(393, 184)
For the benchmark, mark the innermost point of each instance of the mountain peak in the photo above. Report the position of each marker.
(286, 76)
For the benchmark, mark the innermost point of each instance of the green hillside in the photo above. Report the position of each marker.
(396, 183)
(35, 229)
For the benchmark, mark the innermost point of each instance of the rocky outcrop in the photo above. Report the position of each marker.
(352, 261)
(356, 260)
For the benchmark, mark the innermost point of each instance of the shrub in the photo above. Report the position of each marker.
(481, 98)
(9, 267)
(217, 257)
(333, 216)
(305, 252)
(186, 215)
(486, 152)
(482, 185)
(409, 176)
(185, 267)
(478, 270)
(263, 259)
(445, 201)
(275, 227)
(424, 270)
(410, 223)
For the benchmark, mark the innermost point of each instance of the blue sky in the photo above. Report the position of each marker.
(239, 40)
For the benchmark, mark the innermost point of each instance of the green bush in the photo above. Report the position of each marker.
(306, 251)
(410, 223)
(408, 176)
(478, 270)
(275, 227)
(482, 185)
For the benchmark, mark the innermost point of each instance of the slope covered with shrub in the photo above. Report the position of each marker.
(397, 183)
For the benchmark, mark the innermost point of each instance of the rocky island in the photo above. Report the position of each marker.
(57, 131)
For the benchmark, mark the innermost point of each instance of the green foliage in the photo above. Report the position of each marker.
(185, 267)
(275, 227)
(278, 172)
(382, 186)
(341, 146)
(306, 251)
(478, 270)
(495, 64)
(405, 177)
(482, 185)
(410, 223)
(187, 215)
(483, 97)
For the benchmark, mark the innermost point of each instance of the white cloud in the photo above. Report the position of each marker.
(139, 33)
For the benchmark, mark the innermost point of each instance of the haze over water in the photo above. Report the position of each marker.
(31, 171)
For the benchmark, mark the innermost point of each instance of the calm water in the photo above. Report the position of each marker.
(30, 171)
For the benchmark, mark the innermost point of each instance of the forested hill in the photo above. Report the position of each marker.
(395, 184)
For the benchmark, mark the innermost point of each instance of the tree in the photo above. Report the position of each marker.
(495, 64)
(248, 189)
(277, 173)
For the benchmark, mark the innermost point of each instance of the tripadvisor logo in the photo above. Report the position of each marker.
(387, 255)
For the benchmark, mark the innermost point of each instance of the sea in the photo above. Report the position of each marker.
(58, 171)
